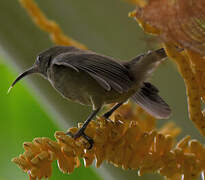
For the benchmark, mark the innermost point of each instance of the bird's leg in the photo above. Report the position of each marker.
(82, 129)
(115, 107)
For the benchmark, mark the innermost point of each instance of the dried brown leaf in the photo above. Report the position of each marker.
(181, 22)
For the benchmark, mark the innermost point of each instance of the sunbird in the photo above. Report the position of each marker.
(95, 80)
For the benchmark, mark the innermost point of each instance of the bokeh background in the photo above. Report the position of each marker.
(35, 109)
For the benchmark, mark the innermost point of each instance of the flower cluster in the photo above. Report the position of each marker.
(127, 140)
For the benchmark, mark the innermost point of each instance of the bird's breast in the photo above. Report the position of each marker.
(82, 88)
(69, 83)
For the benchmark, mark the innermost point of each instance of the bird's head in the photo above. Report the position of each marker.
(44, 60)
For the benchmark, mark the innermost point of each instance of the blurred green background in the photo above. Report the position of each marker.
(34, 109)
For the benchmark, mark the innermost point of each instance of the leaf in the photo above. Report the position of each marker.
(181, 22)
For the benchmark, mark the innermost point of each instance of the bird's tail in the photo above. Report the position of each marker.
(143, 65)
(148, 98)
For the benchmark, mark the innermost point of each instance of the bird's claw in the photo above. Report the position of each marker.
(107, 115)
(79, 134)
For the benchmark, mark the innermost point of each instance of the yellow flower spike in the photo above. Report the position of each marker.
(35, 160)
(120, 148)
(42, 167)
(29, 146)
(183, 143)
(134, 144)
(132, 14)
(136, 161)
(42, 143)
(159, 144)
(191, 168)
(77, 162)
(44, 172)
(125, 111)
(147, 147)
(193, 94)
(170, 168)
(147, 28)
(68, 151)
(117, 131)
(179, 155)
(120, 151)
(66, 164)
(52, 156)
(119, 118)
(101, 136)
(53, 146)
(99, 155)
(139, 150)
(73, 130)
(33, 178)
(90, 130)
(168, 144)
(110, 148)
(197, 62)
(147, 124)
(88, 157)
(199, 150)
(145, 161)
(170, 129)
(47, 25)
(63, 138)
(38, 142)
(135, 149)
(77, 146)
(146, 121)
(34, 172)
(137, 158)
(43, 155)
(70, 162)
(175, 177)
(128, 154)
(133, 133)
(159, 160)
(29, 154)
(22, 163)
(149, 164)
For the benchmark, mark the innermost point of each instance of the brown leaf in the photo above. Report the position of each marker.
(181, 22)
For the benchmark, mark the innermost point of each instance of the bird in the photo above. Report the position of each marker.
(93, 79)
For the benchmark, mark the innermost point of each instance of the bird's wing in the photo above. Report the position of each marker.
(107, 72)
(150, 101)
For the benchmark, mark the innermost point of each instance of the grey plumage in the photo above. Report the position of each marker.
(108, 73)
(149, 100)
(94, 79)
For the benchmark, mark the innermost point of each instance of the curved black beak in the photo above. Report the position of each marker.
(27, 72)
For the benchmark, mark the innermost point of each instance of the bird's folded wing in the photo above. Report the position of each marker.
(107, 72)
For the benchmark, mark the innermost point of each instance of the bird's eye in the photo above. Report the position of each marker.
(38, 59)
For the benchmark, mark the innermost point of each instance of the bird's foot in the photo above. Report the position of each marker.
(82, 133)
(107, 115)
